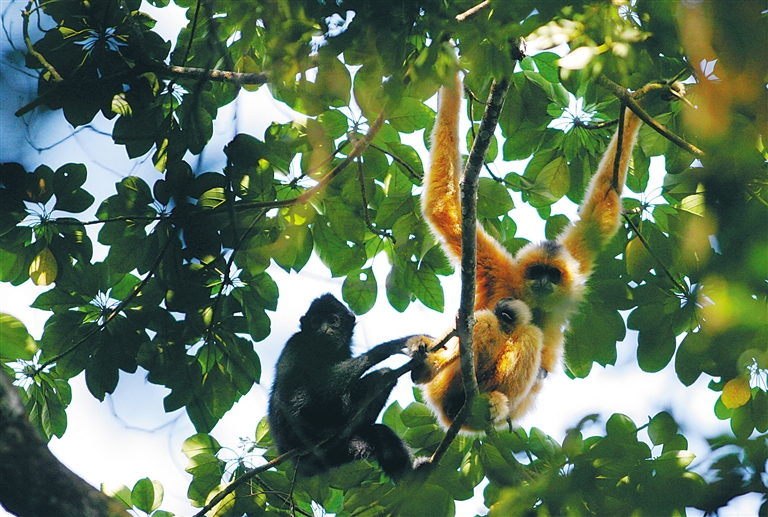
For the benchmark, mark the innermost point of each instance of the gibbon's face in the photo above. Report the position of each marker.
(327, 317)
(548, 270)
(511, 313)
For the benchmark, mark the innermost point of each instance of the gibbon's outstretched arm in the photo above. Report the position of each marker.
(549, 277)
(497, 275)
(323, 401)
(507, 360)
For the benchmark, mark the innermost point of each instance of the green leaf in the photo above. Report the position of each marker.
(411, 115)
(620, 426)
(427, 288)
(493, 199)
(521, 144)
(662, 428)
(200, 443)
(417, 415)
(639, 260)
(428, 501)
(147, 495)
(655, 347)
(15, 341)
(556, 176)
(360, 290)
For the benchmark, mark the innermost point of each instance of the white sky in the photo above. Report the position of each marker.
(129, 437)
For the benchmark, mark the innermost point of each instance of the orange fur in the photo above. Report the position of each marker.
(500, 275)
(507, 362)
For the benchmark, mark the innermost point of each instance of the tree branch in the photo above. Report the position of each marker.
(34, 481)
(627, 98)
(466, 317)
(25, 14)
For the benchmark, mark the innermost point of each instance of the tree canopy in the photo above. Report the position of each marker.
(184, 291)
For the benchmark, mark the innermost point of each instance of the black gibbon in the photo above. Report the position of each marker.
(549, 277)
(324, 402)
(507, 362)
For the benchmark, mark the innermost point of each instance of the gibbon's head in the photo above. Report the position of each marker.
(551, 278)
(511, 314)
(328, 318)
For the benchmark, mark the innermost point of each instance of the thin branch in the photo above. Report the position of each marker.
(469, 12)
(119, 308)
(376, 231)
(619, 149)
(242, 479)
(597, 125)
(222, 76)
(399, 160)
(627, 98)
(648, 248)
(25, 14)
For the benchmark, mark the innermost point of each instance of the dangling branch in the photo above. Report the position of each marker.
(627, 98)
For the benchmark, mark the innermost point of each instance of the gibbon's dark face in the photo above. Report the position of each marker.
(542, 274)
(327, 317)
(544, 278)
(511, 313)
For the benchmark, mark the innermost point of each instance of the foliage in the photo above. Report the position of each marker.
(184, 291)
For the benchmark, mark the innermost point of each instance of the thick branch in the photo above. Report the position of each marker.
(34, 482)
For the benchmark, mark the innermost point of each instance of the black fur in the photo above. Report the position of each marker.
(319, 394)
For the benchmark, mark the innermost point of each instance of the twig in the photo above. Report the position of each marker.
(627, 98)
(399, 160)
(597, 125)
(648, 248)
(120, 307)
(25, 14)
(223, 76)
(619, 149)
(376, 231)
(469, 12)
(242, 479)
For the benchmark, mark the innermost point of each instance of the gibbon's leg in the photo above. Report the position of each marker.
(600, 211)
(497, 276)
(383, 444)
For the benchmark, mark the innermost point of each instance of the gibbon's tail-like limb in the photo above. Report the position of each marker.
(507, 359)
(548, 277)
(325, 402)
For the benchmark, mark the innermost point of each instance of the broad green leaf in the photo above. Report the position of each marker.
(15, 341)
(147, 495)
(493, 200)
(360, 290)
(639, 260)
(428, 501)
(44, 269)
(736, 392)
(662, 428)
(656, 346)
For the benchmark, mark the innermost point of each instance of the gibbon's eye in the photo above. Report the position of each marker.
(334, 320)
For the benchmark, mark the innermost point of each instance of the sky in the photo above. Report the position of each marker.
(129, 437)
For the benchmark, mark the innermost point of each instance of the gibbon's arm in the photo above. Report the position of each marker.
(355, 367)
(497, 275)
(600, 211)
